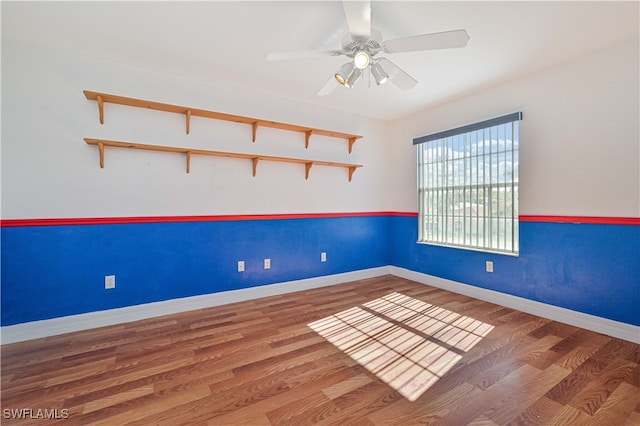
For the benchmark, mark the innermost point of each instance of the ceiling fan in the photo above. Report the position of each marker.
(362, 43)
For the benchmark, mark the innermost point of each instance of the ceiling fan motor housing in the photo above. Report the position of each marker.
(352, 45)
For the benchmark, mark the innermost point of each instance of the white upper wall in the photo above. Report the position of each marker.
(49, 172)
(579, 138)
(579, 143)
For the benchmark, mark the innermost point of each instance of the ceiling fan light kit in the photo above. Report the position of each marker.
(349, 73)
(362, 44)
(344, 72)
(361, 59)
(379, 75)
(353, 78)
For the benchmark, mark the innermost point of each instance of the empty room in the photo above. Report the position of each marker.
(329, 212)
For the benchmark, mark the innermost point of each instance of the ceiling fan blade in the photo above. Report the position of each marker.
(397, 75)
(281, 56)
(328, 87)
(443, 40)
(358, 14)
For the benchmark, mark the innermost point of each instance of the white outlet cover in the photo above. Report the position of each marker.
(267, 264)
(240, 265)
(109, 282)
(323, 257)
(489, 265)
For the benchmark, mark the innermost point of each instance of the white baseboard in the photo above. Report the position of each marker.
(578, 319)
(72, 323)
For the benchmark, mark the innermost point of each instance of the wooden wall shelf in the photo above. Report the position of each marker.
(188, 112)
(188, 152)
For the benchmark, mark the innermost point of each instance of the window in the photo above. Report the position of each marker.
(468, 186)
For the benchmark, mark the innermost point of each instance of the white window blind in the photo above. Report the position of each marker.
(468, 186)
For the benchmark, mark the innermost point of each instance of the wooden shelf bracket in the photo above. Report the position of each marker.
(352, 140)
(188, 152)
(307, 167)
(188, 120)
(351, 170)
(101, 151)
(255, 125)
(307, 136)
(100, 109)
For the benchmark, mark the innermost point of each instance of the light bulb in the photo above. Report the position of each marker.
(379, 75)
(361, 60)
(343, 73)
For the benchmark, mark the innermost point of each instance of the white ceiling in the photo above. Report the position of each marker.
(225, 43)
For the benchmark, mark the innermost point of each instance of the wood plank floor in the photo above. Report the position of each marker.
(378, 351)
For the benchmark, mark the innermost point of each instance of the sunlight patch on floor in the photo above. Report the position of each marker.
(407, 343)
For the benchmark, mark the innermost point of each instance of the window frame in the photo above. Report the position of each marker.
(442, 141)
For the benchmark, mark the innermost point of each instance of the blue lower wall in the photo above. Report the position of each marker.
(589, 268)
(55, 271)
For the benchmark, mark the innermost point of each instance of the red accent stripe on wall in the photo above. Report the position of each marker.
(403, 214)
(596, 220)
(11, 223)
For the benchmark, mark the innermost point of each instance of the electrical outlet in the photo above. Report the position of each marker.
(240, 265)
(323, 257)
(267, 264)
(109, 282)
(489, 265)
